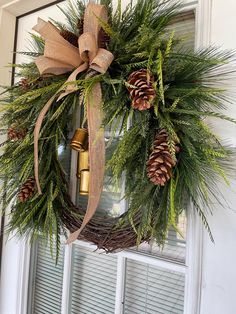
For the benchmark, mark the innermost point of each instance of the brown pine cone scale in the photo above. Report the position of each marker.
(160, 163)
(24, 84)
(141, 89)
(14, 133)
(70, 37)
(80, 25)
(27, 190)
(103, 39)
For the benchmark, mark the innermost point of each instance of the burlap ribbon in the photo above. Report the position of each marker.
(62, 57)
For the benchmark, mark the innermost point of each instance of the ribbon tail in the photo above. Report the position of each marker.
(96, 156)
(66, 90)
(73, 236)
(36, 139)
(70, 88)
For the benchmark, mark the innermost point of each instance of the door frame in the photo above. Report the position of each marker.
(16, 291)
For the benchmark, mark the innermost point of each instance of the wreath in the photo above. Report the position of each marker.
(127, 73)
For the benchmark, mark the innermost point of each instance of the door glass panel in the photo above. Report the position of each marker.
(175, 244)
(25, 25)
(153, 290)
(111, 198)
(45, 284)
(93, 282)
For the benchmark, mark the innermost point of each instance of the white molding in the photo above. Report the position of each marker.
(19, 7)
(7, 22)
(15, 276)
(65, 298)
(189, 5)
(154, 261)
(203, 23)
(23, 279)
(140, 257)
(120, 285)
(194, 253)
(193, 277)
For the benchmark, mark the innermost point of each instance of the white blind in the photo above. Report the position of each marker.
(175, 246)
(152, 290)
(45, 287)
(93, 282)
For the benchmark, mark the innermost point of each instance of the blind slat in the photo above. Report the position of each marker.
(149, 290)
(47, 282)
(93, 282)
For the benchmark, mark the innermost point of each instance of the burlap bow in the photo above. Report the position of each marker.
(62, 57)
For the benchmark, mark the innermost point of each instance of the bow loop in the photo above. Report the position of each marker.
(94, 13)
(87, 47)
(47, 30)
(63, 53)
(61, 57)
(50, 66)
(102, 61)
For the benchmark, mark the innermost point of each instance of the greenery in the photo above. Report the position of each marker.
(188, 85)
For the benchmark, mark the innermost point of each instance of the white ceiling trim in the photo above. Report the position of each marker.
(19, 7)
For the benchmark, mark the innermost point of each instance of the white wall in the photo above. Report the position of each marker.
(8, 41)
(25, 24)
(219, 270)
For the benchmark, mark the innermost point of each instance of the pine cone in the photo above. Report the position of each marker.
(142, 93)
(80, 26)
(104, 39)
(160, 163)
(24, 84)
(14, 133)
(27, 190)
(70, 37)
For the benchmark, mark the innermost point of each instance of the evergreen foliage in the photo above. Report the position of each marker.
(189, 88)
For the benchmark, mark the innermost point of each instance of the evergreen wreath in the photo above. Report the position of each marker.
(156, 96)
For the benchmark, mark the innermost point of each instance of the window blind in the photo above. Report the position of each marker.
(93, 282)
(152, 290)
(175, 246)
(45, 286)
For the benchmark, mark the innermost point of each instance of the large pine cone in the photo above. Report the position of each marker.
(103, 39)
(160, 163)
(24, 84)
(80, 25)
(70, 37)
(15, 133)
(27, 190)
(142, 93)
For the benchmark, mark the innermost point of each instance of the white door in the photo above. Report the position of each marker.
(143, 281)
